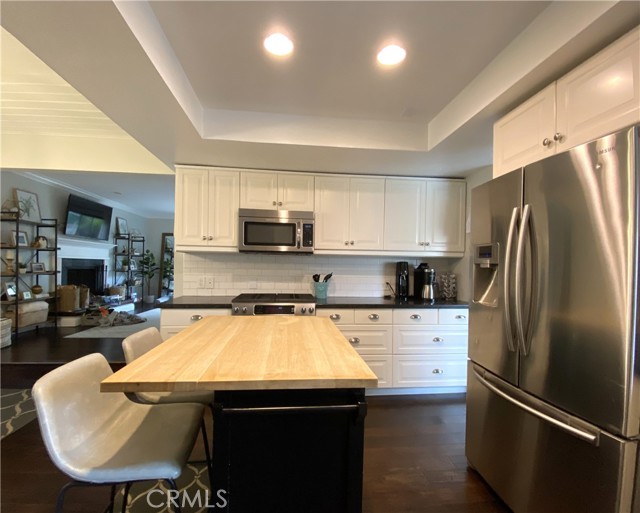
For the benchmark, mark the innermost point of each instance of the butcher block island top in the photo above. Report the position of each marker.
(247, 353)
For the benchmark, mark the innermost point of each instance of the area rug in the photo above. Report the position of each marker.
(194, 495)
(153, 320)
(16, 410)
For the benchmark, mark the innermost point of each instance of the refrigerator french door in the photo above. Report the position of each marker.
(552, 404)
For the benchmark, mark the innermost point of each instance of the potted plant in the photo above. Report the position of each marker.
(147, 268)
(167, 273)
(22, 267)
(125, 264)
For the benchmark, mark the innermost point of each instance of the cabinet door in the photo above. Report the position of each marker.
(366, 213)
(296, 192)
(519, 137)
(192, 207)
(223, 208)
(602, 95)
(445, 208)
(258, 190)
(332, 212)
(404, 214)
(382, 366)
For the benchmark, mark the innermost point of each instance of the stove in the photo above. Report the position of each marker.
(273, 304)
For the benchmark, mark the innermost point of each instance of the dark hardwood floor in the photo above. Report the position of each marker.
(414, 463)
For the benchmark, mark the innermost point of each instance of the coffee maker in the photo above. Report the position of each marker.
(402, 280)
(424, 283)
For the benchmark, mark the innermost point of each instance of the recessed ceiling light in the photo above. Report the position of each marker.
(278, 44)
(391, 54)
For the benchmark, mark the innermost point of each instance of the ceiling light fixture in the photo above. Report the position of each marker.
(391, 55)
(278, 44)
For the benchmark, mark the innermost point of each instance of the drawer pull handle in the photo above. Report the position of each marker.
(354, 340)
(196, 317)
(438, 339)
(437, 371)
(374, 317)
(460, 317)
(416, 317)
(335, 317)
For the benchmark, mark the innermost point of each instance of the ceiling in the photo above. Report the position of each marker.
(187, 82)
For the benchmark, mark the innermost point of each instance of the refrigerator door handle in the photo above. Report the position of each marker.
(583, 435)
(520, 254)
(507, 278)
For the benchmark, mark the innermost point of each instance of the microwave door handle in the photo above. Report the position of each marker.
(299, 234)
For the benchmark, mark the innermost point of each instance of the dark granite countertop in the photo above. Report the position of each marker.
(331, 302)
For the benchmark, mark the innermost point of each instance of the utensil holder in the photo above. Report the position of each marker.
(321, 289)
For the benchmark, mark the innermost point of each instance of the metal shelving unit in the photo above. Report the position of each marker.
(129, 250)
(45, 257)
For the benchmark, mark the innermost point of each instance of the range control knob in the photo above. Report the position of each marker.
(236, 310)
(311, 309)
(244, 309)
(303, 310)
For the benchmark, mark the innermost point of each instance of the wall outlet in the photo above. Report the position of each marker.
(201, 282)
(208, 282)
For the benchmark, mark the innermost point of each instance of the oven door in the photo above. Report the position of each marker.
(269, 234)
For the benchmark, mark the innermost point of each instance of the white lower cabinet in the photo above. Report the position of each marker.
(174, 320)
(408, 348)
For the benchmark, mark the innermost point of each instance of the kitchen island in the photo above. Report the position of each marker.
(289, 407)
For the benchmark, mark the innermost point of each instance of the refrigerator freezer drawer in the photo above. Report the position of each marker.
(538, 467)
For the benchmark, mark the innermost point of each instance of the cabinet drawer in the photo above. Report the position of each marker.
(417, 340)
(382, 366)
(186, 317)
(453, 316)
(415, 316)
(369, 339)
(427, 371)
(381, 316)
(337, 315)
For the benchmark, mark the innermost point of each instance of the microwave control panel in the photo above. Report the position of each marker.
(307, 235)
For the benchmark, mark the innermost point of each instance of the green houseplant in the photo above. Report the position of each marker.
(147, 267)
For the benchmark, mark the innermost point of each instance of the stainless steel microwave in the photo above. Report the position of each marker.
(275, 231)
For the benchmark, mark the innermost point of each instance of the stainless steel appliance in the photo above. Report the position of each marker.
(424, 283)
(273, 304)
(275, 231)
(553, 412)
(402, 280)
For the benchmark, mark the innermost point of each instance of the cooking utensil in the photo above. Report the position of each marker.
(327, 277)
(316, 277)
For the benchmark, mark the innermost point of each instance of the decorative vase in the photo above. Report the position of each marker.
(150, 298)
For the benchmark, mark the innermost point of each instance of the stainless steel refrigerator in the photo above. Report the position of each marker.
(553, 411)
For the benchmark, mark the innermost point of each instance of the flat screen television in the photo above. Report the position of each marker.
(88, 219)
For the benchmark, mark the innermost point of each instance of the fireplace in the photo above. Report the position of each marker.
(83, 271)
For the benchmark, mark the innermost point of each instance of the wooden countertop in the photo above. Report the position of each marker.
(247, 353)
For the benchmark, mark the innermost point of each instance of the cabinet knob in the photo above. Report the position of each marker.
(437, 371)
(460, 317)
(354, 340)
(352, 243)
(204, 237)
(438, 339)
(558, 137)
(275, 203)
(415, 317)
(196, 317)
(427, 244)
(210, 237)
(346, 242)
(420, 243)
(279, 203)
(335, 317)
(546, 142)
(374, 317)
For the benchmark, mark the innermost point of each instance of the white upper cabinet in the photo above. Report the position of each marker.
(206, 207)
(276, 191)
(349, 213)
(425, 216)
(598, 97)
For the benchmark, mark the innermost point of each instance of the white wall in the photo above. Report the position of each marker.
(463, 266)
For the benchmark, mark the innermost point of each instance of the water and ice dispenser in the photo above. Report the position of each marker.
(486, 260)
